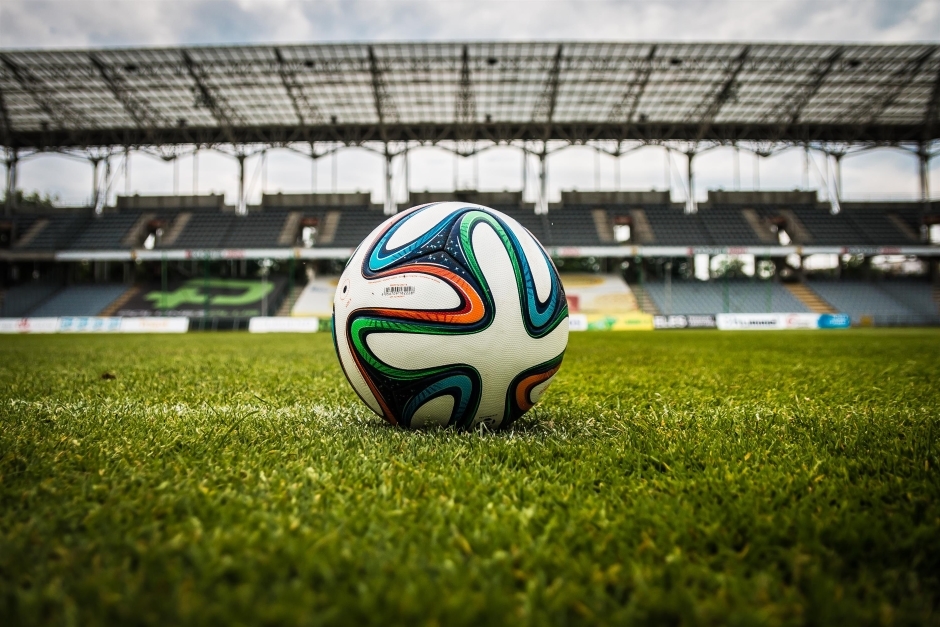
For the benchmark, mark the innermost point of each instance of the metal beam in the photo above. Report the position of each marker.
(706, 112)
(545, 108)
(630, 101)
(135, 107)
(55, 110)
(499, 132)
(223, 113)
(384, 107)
(931, 117)
(6, 128)
(465, 113)
(303, 108)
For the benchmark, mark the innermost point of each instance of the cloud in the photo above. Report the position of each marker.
(71, 23)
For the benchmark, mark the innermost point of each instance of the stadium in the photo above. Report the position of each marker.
(685, 475)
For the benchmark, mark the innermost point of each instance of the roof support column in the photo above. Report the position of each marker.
(103, 196)
(690, 206)
(389, 201)
(542, 206)
(834, 183)
(923, 160)
(241, 208)
(313, 168)
(127, 171)
(407, 176)
(806, 167)
(10, 203)
(525, 172)
(757, 159)
(335, 165)
(617, 164)
(838, 165)
(95, 188)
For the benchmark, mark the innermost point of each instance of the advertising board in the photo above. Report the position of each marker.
(28, 325)
(282, 324)
(94, 324)
(692, 321)
(210, 297)
(155, 325)
(89, 324)
(634, 321)
(778, 321)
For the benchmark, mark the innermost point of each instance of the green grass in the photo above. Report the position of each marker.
(681, 477)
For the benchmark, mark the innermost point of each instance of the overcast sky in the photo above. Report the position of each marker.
(97, 23)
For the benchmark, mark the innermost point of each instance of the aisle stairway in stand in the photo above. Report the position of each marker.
(115, 306)
(643, 300)
(809, 298)
(288, 303)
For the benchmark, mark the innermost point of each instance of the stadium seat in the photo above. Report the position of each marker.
(878, 302)
(59, 232)
(79, 300)
(105, 232)
(19, 300)
(709, 297)
(256, 230)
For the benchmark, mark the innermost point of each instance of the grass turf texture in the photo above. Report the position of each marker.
(684, 477)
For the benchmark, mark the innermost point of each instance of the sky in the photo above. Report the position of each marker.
(103, 23)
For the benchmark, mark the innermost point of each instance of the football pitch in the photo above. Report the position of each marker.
(665, 478)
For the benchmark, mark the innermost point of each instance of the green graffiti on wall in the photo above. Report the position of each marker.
(191, 293)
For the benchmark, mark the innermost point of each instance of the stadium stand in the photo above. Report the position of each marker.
(672, 227)
(727, 225)
(256, 230)
(878, 228)
(354, 224)
(575, 226)
(105, 232)
(864, 300)
(828, 229)
(57, 233)
(19, 300)
(708, 297)
(204, 230)
(79, 300)
(918, 296)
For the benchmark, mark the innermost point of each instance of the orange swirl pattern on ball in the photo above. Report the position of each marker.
(525, 387)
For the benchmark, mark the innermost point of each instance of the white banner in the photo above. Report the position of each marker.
(94, 324)
(282, 324)
(752, 322)
(577, 322)
(28, 325)
(89, 324)
(155, 325)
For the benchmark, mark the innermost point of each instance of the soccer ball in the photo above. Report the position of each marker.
(450, 314)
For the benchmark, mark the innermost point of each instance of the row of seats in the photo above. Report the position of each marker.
(567, 226)
(39, 299)
(902, 301)
(19, 300)
(858, 227)
(898, 301)
(711, 297)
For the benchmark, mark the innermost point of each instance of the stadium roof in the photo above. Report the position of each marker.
(354, 93)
